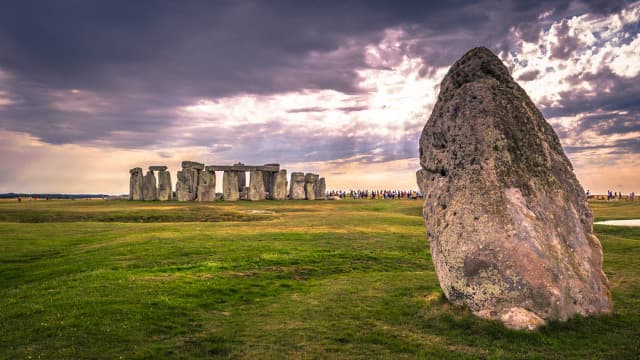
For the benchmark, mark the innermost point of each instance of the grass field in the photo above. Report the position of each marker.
(324, 279)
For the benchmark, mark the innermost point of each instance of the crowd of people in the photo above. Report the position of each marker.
(618, 195)
(376, 194)
(613, 195)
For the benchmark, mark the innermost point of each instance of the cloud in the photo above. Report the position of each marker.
(347, 84)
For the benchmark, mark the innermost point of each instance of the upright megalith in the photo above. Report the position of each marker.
(321, 189)
(278, 185)
(230, 186)
(266, 182)
(207, 186)
(183, 192)
(267, 179)
(310, 181)
(296, 188)
(164, 185)
(509, 228)
(242, 178)
(135, 184)
(188, 179)
(149, 189)
(256, 186)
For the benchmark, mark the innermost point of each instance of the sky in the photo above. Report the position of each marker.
(90, 89)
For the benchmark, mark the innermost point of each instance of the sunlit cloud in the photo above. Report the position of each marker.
(347, 99)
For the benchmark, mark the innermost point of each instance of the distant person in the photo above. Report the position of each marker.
(19, 199)
(588, 193)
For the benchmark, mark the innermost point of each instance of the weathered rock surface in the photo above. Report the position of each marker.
(164, 185)
(296, 188)
(183, 189)
(192, 165)
(266, 181)
(256, 186)
(230, 186)
(207, 186)
(509, 227)
(242, 178)
(135, 184)
(149, 190)
(310, 181)
(279, 185)
(188, 180)
(157, 168)
(321, 189)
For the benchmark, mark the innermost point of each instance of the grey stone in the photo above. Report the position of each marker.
(279, 185)
(256, 186)
(296, 187)
(509, 227)
(157, 168)
(422, 177)
(207, 186)
(310, 184)
(244, 193)
(266, 181)
(149, 189)
(321, 189)
(164, 185)
(135, 184)
(242, 180)
(192, 165)
(230, 186)
(183, 186)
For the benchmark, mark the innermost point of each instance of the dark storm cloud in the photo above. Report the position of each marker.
(146, 58)
(618, 147)
(612, 92)
(529, 75)
(610, 124)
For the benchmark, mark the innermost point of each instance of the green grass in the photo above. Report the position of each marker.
(325, 279)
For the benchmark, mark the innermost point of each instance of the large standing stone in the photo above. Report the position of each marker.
(192, 165)
(183, 190)
(279, 185)
(256, 186)
(266, 181)
(296, 187)
(207, 186)
(242, 178)
(310, 181)
(135, 184)
(230, 186)
(508, 224)
(149, 189)
(321, 189)
(188, 179)
(164, 185)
